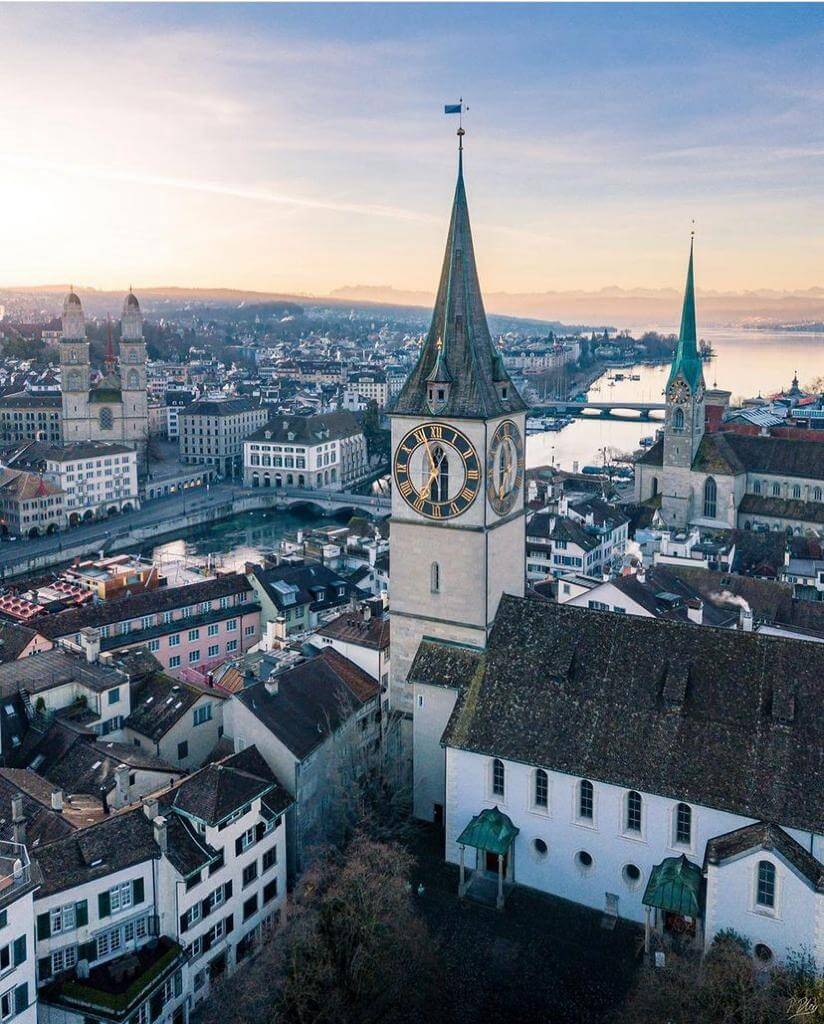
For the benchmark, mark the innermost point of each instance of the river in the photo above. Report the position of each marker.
(745, 363)
(235, 541)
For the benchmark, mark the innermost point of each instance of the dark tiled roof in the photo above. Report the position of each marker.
(43, 825)
(84, 450)
(14, 639)
(783, 508)
(161, 702)
(459, 334)
(309, 579)
(653, 456)
(221, 407)
(25, 400)
(118, 842)
(78, 762)
(213, 792)
(308, 430)
(717, 455)
(440, 663)
(148, 603)
(313, 699)
(769, 600)
(351, 628)
(766, 836)
(717, 717)
(45, 669)
(664, 594)
(778, 456)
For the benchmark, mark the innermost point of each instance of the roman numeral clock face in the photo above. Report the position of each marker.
(505, 468)
(437, 471)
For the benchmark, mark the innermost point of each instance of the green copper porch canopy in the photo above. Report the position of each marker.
(490, 830)
(675, 885)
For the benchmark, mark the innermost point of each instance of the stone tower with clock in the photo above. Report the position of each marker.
(458, 531)
(684, 423)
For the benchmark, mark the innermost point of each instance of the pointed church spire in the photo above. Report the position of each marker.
(459, 346)
(687, 361)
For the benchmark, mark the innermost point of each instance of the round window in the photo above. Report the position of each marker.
(583, 860)
(540, 847)
(763, 953)
(631, 875)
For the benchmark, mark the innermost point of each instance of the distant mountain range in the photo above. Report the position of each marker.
(626, 307)
(636, 308)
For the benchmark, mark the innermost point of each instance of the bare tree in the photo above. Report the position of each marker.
(353, 951)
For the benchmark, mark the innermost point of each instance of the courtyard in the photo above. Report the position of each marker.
(540, 960)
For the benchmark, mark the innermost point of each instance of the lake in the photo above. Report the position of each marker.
(745, 362)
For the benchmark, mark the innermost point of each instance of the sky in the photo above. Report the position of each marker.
(301, 148)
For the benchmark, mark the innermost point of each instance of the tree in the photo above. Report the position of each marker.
(354, 950)
(727, 987)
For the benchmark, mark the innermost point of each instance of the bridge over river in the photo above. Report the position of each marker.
(617, 409)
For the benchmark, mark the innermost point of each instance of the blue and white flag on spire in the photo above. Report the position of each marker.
(453, 108)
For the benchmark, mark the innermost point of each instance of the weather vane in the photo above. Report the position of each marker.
(457, 108)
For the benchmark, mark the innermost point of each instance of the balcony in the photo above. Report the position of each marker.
(116, 988)
(15, 871)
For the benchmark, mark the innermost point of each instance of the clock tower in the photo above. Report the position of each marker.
(458, 427)
(684, 423)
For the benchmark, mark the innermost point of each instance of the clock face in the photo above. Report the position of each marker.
(437, 471)
(505, 468)
(678, 392)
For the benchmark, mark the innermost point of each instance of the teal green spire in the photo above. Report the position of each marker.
(687, 362)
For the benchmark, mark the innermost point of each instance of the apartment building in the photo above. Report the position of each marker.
(29, 417)
(29, 505)
(212, 432)
(96, 477)
(193, 626)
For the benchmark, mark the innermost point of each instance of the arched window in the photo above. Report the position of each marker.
(633, 816)
(134, 380)
(683, 824)
(541, 788)
(797, 491)
(498, 777)
(440, 486)
(106, 419)
(765, 890)
(710, 498)
(776, 489)
(586, 800)
(678, 419)
(816, 494)
(756, 487)
(654, 486)
(435, 578)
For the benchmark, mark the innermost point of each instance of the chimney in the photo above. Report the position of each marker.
(161, 833)
(746, 620)
(57, 800)
(271, 685)
(695, 610)
(641, 574)
(18, 819)
(367, 612)
(121, 785)
(151, 807)
(90, 643)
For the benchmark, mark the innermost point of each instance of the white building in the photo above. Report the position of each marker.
(97, 478)
(607, 748)
(324, 452)
(18, 980)
(154, 904)
(584, 537)
(369, 384)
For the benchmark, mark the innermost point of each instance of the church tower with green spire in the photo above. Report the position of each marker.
(684, 426)
(458, 518)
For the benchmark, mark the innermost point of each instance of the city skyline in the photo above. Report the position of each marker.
(304, 150)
